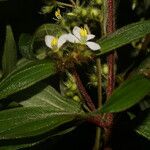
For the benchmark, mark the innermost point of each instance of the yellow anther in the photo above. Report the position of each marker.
(57, 14)
(83, 32)
(54, 42)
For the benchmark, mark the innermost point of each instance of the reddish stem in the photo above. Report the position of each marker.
(105, 120)
(83, 91)
(110, 27)
(111, 58)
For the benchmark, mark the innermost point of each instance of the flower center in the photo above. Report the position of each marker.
(57, 14)
(54, 42)
(83, 32)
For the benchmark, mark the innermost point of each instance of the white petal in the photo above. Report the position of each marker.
(90, 36)
(48, 40)
(93, 46)
(76, 32)
(62, 39)
(71, 38)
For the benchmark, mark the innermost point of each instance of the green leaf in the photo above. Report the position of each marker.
(124, 36)
(25, 76)
(51, 98)
(144, 128)
(9, 58)
(31, 121)
(26, 45)
(128, 94)
(48, 29)
(13, 146)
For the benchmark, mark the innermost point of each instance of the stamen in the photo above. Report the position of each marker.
(54, 42)
(83, 32)
(57, 14)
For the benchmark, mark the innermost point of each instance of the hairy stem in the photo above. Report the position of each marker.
(83, 91)
(108, 28)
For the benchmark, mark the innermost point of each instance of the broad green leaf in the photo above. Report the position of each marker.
(9, 58)
(128, 94)
(48, 29)
(144, 128)
(18, 145)
(49, 97)
(26, 76)
(124, 36)
(31, 121)
(33, 115)
(26, 45)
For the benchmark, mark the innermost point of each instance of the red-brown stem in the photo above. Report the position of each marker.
(110, 27)
(104, 121)
(83, 91)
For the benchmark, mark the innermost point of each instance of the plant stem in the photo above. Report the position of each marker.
(99, 76)
(83, 91)
(99, 104)
(97, 139)
(109, 27)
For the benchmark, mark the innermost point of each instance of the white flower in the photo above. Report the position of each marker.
(55, 43)
(80, 35)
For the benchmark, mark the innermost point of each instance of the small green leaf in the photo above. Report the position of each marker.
(144, 128)
(128, 94)
(31, 121)
(25, 76)
(26, 45)
(48, 29)
(124, 36)
(9, 58)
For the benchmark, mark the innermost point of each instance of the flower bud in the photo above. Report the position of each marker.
(105, 69)
(99, 2)
(76, 98)
(73, 87)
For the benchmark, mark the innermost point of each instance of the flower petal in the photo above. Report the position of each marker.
(76, 32)
(73, 39)
(93, 46)
(62, 39)
(48, 40)
(90, 36)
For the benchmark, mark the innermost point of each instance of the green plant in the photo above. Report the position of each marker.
(33, 111)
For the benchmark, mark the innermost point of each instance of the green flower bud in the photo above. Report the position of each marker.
(73, 87)
(99, 2)
(83, 12)
(76, 98)
(105, 69)
(93, 78)
(69, 94)
(94, 12)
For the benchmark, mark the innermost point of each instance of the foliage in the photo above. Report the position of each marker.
(41, 94)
